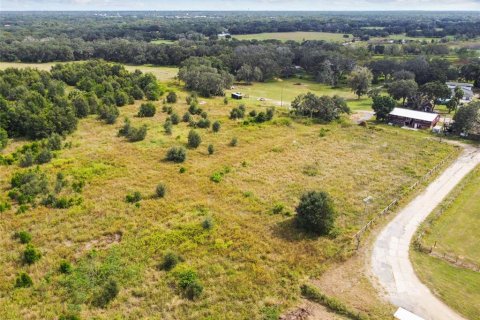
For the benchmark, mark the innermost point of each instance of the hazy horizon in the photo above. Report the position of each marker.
(248, 5)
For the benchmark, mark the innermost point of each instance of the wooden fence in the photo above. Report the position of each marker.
(392, 204)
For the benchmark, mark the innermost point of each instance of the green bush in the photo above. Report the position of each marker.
(31, 254)
(194, 139)
(203, 123)
(65, 267)
(137, 134)
(108, 113)
(237, 113)
(133, 197)
(182, 170)
(109, 292)
(208, 223)
(44, 156)
(172, 97)
(69, 316)
(147, 110)
(27, 159)
(190, 285)
(216, 126)
(23, 280)
(27, 185)
(187, 117)
(23, 236)
(204, 115)
(167, 126)
(211, 149)
(175, 118)
(54, 142)
(234, 142)
(170, 260)
(4, 206)
(176, 154)
(193, 108)
(160, 190)
(252, 113)
(316, 212)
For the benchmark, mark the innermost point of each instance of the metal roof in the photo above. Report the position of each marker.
(413, 114)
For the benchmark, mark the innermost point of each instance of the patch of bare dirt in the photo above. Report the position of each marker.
(101, 243)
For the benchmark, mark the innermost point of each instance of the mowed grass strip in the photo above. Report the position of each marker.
(456, 230)
(459, 288)
(250, 260)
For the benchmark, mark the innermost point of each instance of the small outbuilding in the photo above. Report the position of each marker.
(237, 96)
(413, 118)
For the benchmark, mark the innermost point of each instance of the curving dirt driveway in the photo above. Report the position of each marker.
(390, 256)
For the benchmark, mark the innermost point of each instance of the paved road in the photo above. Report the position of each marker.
(390, 259)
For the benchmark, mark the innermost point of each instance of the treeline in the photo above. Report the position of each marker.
(147, 26)
(35, 104)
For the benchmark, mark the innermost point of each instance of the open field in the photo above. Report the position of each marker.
(459, 288)
(456, 230)
(282, 92)
(162, 41)
(162, 73)
(295, 36)
(260, 256)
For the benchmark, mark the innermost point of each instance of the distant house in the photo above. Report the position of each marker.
(466, 87)
(224, 35)
(413, 119)
(237, 96)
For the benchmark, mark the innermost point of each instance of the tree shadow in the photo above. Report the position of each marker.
(289, 230)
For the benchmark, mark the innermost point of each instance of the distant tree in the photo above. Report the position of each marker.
(402, 89)
(436, 90)
(360, 80)
(316, 212)
(458, 93)
(403, 75)
(324, 108)
(467, 118)
(176, 154)
(383, 105)
(216, 126)
(3, 138)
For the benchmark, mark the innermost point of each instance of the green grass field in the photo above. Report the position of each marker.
(162, 73)
(456, 230)
(162, 41)
(295, 36)
(459, 288)
(259, 256)
(282, 92)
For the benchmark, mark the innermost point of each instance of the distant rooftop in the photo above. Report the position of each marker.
(414, 114)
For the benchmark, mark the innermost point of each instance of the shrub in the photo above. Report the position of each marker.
(252, 113)
(176, 154)
(23, 280)
(237, 113)
(182, 170)
(175, 118)
(171, 97)
(170, 260)
(186, 117)
(167, 126)
(54, 142)
(216, 126)
(217, 177)
(26, 160)
(3, 138)
(270, 113)
(65, 267)
(234, 142)
(107, 293)
(133, 197)
(4, 206)
(108, 113)
(193, 108)
(123, 132)
(31, 255)
(316, 212)
(160, 190)
(278, 208)
(204, 115)
(190, 285)
(27, 185)
(44, 156)
(147, 110)
(203, 123)
(211, 149)
(225, 101)
(23, 236)
(207, 224)
(194, 139)
(69, 316)
(137, 134)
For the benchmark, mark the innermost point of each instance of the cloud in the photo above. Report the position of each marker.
(274, 5)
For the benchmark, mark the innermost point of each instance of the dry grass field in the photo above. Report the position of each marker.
(251, 262)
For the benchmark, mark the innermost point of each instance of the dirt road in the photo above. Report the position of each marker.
(390, 256)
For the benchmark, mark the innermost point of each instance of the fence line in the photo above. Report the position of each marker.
(387, 209)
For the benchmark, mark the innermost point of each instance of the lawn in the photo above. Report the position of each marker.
(282, 92)
(162, 73)
(456, 230)
(459, 288)
(252, 260)
(295, 36)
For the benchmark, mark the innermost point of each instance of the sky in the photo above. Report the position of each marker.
(244, 5)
